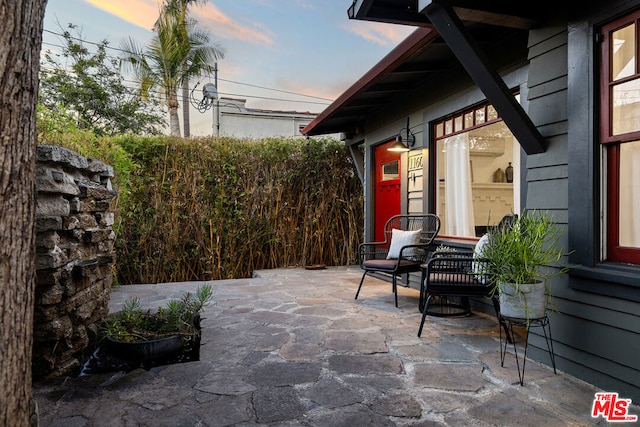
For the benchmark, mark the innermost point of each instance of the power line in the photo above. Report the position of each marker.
(276, 90)
(86, 41)
(220, 79)
(274, 99)
(134, 91)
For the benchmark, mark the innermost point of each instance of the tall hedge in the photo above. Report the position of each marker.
(219, 208)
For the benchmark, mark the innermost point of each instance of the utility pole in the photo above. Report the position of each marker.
(216, 108)
(185, 109)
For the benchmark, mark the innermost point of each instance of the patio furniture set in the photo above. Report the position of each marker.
(448, 278)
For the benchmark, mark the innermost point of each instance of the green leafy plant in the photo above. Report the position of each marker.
(527, 252)
(178, 317)
(83, 86)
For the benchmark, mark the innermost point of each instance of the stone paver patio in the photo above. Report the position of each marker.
(292, 347)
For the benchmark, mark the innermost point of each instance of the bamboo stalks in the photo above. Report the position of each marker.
(221, 208)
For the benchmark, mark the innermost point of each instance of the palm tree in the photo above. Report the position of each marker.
(177, 51)
(180, 9)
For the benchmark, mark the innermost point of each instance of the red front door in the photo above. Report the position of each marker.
(387, 196)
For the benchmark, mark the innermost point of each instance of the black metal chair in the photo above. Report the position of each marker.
(459, 274)
(375, 257)
(453, 274)
(507, 221)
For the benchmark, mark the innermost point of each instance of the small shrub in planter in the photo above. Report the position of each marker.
(522, 259)
(138, 334)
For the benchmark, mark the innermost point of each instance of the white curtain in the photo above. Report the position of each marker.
(457, 187)
(629, 194)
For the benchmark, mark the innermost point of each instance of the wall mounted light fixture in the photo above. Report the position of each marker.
(404, 140)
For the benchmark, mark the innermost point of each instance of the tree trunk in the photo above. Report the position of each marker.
(186, 122)
(21, 39)
(174, 118)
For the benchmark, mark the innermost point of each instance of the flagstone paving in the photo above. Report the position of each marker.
(291, 347)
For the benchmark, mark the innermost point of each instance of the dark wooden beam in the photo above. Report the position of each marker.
(492, 18)
(403, 12)
(474, 60)
(359, 9)
(503, 13)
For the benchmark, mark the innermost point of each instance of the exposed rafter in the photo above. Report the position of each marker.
(423, 61)
(393, 11)
(509, 13)
(488, 80)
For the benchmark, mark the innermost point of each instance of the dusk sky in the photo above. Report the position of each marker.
(305, 47)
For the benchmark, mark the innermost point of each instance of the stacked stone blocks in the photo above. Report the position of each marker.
(74, 257)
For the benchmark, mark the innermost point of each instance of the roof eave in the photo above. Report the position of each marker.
(415, 41)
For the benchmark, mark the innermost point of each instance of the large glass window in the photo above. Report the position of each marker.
(620, 137)
(475, 172)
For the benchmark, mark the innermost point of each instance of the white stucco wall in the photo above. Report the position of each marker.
(232, 118)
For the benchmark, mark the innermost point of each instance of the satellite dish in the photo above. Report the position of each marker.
(210, 91)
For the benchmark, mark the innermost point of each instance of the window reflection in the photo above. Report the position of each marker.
(623, 52)
(629, 228)
(472, 189)
(625, 115)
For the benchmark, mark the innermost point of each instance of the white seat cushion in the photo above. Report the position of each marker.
(478, 253)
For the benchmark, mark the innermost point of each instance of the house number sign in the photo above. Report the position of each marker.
(415, 162)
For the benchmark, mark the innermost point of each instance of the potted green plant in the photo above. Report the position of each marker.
(522, 258)
(137, 334)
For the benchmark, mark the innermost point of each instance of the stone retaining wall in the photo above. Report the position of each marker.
(74, 257)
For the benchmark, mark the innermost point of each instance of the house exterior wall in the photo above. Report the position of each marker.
(232, 118)
(248, 125)
(427, 108)
(596, 336)
(598, 333)
(596, 325)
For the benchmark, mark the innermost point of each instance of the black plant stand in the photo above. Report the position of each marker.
(542, 322)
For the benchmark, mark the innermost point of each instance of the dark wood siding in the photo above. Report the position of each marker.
(596, 338)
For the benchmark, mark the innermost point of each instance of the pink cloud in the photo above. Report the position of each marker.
(379, 33)
(142, 13)
(223, 25)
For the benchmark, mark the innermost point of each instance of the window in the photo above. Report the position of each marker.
(595, 160)
(620, 137)
(475, 185)
(390, 171)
